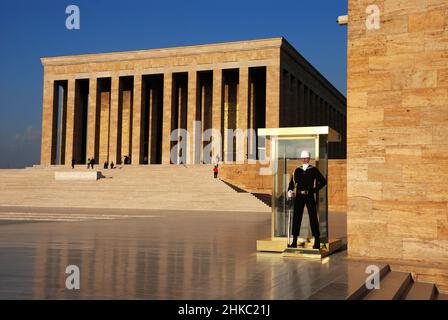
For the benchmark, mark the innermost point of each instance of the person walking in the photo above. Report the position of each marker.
(306, 181)
(73, 163)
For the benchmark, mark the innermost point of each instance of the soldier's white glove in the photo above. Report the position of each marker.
(290, 194)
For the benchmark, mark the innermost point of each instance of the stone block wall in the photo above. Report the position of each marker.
(397, 159)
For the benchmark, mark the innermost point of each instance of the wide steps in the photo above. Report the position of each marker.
(351, 285)
(421, 291)
(442, 296)
(392, 287)
(138, 187)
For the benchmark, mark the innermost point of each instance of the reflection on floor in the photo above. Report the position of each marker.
(159, 255)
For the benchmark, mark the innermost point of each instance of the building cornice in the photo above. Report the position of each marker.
(245, 45)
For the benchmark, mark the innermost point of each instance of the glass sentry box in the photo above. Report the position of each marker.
(286, 145)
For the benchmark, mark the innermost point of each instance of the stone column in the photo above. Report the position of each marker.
(70, 121)
(286, 93)
(225, 120)
(63, 122)
(203, 126)
(92, 119)
(252, 105)
(317, 109)
(332, 118)
(272, 100)
(191, 117)
(242, 109)
(181, 101)
(47, 155)
(167, 105)
(324, 108)
(319, 115)
(113, 142)
(311, 107)
(294, 109)
(126, 101)
(217, 104)
(104, 139)
(312, 113)
(148, 114)
(301, 91)
(137, 120)
(306, 104)
(178, 106)
(251, 139)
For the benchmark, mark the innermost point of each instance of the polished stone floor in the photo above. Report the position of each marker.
(155, 255)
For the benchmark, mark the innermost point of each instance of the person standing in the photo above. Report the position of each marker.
(73, 163)
(307, 180)
(215, 171)
(88, 163)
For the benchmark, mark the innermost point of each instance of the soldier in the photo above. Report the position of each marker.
(303, 178)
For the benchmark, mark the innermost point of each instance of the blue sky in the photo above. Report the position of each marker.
(32, 29)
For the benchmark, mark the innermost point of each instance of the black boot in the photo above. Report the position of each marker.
(294, 243)
(316, 243)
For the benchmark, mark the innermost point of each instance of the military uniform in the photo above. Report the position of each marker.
(304, 178)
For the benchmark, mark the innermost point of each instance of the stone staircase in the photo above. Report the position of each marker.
(393, 286)
(171, 187)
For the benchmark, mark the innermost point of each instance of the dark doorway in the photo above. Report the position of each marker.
(59, 122)
(257, 106)
(152, 118)
(80, 121)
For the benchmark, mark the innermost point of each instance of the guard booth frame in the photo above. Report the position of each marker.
(285, 145)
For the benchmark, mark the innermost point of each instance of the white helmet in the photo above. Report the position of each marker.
(305, 154)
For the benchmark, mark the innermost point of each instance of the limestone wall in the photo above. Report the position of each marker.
(397, 159)
(337, 185)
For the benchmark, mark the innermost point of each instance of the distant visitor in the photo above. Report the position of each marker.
(215, 171)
